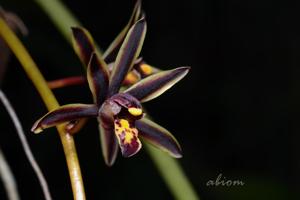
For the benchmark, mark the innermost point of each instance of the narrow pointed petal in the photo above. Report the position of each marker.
(63, 114)
(112, 51)
(83, 44)
(154, 85)
(127, 137)
(159, 137)
(97, 76)
(127, 55)
(109, 142)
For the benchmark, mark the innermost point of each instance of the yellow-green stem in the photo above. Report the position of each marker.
(51, 103)
(60, 15)
(172, 173)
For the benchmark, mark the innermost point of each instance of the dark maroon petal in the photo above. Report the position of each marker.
(127, 55)
(112, 51)
(154, 85)
(159, 137)
(109, 142)
(63, 114)
(97, 77)
(83, 44)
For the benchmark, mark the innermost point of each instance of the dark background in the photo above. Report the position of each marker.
(230, 114)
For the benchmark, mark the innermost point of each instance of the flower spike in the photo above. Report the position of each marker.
(154, 85)
(127, 55)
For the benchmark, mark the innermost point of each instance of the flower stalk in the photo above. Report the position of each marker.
(51, 103)
(65, 82)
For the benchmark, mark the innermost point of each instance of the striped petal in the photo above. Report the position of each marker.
(154, 85)
(127, 55)
(112, 51)
(127, 136)
(83, 44)
(97, 77)
(63, 114)
(159, 137)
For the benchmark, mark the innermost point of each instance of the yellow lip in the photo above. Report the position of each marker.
(135, 111)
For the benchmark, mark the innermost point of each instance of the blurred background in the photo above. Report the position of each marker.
(230, 114)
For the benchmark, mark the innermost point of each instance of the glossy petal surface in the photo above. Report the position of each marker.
(97, 76)
(109, 142)
(63, 114)
(159, 137)
(154, 85)
(83, 44)
(127, 55)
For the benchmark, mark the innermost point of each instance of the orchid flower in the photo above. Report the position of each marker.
(84, 46)
(120, 114)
